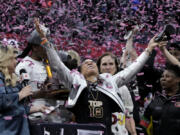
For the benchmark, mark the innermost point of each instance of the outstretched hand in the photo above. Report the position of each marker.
(38, 28)
(42, 30)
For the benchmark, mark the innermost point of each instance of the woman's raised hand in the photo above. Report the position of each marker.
(38, 28)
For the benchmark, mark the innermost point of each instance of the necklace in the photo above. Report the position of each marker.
(91, 89)
(93, 96)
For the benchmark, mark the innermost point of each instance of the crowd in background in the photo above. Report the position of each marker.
(83, 24)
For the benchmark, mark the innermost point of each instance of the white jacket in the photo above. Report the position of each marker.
(76, 82)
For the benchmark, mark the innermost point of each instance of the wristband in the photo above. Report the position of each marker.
(44, 40)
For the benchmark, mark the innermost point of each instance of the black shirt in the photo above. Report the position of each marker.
(165, 112)
(95, 107)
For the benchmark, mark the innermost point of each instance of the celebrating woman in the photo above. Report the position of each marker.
(165, 107)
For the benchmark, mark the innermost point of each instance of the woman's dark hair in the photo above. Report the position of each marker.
(25, 51)
(79, 68)
(112, 56)
(174, 68)
(33, 40)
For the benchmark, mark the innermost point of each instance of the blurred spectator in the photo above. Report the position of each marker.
(13, 108)
(165, 108)
(172, 54)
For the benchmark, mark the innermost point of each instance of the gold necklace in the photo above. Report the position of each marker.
(94, 98)
(92, 87)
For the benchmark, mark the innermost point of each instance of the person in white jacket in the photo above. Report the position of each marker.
(93, 96)
(121, 122)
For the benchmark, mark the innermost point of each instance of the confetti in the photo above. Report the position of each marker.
(74, 23)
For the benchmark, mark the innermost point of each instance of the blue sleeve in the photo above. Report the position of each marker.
(27, 109)
(7, 100)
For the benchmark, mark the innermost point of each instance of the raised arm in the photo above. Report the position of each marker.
(172, 59)
(128, 73)
(129, 54)
(55, 62)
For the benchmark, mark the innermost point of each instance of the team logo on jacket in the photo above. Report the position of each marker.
(177, 104)
(108, 85)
